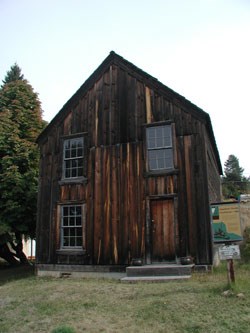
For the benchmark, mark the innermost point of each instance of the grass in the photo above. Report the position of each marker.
(31, 304)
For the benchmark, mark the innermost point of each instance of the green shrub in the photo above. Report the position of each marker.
(63, 329)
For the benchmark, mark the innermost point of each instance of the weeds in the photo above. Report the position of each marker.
(200, 304)
(63, 329)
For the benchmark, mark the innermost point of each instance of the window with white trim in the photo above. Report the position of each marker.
(159, 147)
(71, 226)
(73, 157)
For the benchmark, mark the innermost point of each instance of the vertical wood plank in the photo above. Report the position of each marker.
(190, 194)
(148, 105)
(182, 200)
(107, 203)
(97, 208)
(115, 208)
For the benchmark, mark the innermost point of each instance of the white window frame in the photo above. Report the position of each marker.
(160, 155)
(72, 224)
(73, 156)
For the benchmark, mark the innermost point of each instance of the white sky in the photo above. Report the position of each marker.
(199, 48)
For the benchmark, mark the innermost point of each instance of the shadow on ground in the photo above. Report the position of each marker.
(9, 273)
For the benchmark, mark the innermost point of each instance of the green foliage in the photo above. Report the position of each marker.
(13, 74)
(20, 124)
(232, 170)
(63, 329)
(234, 183)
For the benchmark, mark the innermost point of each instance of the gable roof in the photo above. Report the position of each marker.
(115, 59)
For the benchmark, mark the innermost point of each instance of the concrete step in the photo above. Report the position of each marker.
(161, 270)
(134, 279)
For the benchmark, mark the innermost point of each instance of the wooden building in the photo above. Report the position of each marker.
(128, 170)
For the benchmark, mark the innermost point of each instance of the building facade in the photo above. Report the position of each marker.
(128, 170)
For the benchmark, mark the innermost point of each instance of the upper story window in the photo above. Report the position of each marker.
(160, 147)
(73, 157)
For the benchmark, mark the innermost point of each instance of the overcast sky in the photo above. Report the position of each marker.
(199, 48)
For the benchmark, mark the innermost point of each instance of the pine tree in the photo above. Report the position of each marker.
(234, 183)
(20, 124)
(13, 74)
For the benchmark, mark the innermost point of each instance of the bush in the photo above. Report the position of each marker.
(63, 329)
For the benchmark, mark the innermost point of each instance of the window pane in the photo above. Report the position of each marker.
(65, 241)
(72, 241)
(159, 142)
(73, 144)
(80, 143)
(152, 159)
(72, 221)
(161, 163)
(67, 164)
(78, 220)
(151, 143)
(80, 172)
(79, 241)
(79, 232)
(79, 152)
(67, 144)
(167, 142)
(65, 221)
(78, 210)
(80, 163)
(150, 137)
(152, 154)
(151, 132)
(67, 153)
(73, 153)
(65, 211)
(72, 210)
(167, 136)
(169, 158)
(152, 165)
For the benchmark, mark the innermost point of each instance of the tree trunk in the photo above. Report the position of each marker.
(13, 252)
(19, 249)
(7, 255)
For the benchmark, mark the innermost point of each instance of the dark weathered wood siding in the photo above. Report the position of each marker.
(118, 190)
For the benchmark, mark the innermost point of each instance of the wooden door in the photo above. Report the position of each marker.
(162, 230)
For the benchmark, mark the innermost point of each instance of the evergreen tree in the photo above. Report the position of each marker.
(20, 124)
(13, 74)
(234, 182)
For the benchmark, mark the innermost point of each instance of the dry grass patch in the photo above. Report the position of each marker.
(33, 304)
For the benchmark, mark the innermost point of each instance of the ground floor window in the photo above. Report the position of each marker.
(71, 226)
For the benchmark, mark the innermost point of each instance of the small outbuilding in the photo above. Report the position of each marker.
(128, 170)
